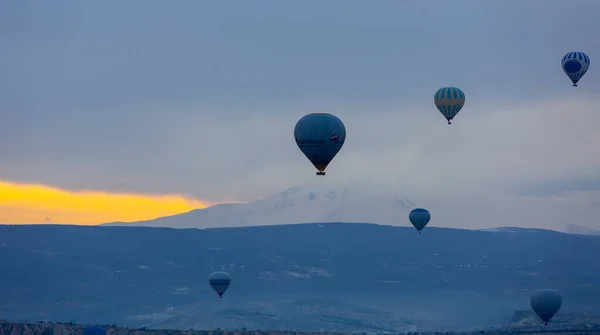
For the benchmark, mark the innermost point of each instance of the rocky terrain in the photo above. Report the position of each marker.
(527, 321)
(23, 328)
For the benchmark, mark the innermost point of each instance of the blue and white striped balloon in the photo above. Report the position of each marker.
(575, 64)
(449, 101)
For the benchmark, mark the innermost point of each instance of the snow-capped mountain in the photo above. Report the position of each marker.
(299, 204)
(581, 230)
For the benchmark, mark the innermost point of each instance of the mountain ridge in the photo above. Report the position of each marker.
(297, 204)
(317, 204)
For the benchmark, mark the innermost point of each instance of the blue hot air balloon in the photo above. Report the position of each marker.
(545, 303)
(320, 136)
(94, 330)
(449, 101)
(220, 282)
(575, 64)
(419, 217)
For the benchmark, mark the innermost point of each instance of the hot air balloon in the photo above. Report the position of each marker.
(575, 64)
(419, 217)
(94, 330)
(449, 101)
(320, 136)
(220, 282)
(545, 303)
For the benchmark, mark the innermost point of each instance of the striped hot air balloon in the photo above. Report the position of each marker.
(220, 282)
(449, 101)
(575, 64)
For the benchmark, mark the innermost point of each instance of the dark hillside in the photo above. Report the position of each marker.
(444, 276)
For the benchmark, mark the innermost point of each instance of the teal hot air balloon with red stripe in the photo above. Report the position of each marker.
(320, 136)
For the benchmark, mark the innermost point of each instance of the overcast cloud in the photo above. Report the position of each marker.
(200, 98)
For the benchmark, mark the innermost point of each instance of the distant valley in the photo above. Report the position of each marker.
(339, 277)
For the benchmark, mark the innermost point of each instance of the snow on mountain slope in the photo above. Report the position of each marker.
(300, 204)
(508, 230)
(581, 230)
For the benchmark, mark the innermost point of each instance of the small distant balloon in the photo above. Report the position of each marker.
(320, 136)
(220, 282)
(94, 330)
(419, 217)
(575, 64)
(545, 303)
(449, 101)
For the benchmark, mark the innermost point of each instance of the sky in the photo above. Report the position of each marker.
(129, 110)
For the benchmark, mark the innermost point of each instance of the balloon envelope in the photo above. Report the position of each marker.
(449, 101)
(320, 136)
(220, 282)
(94, 330)
(419, 217)
(575, 64)
(545, 303)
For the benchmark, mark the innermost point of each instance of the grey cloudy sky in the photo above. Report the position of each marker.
(200, 97)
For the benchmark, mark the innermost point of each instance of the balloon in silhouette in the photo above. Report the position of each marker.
(575, 64)
(449, 101)
(220, 282)
(419, 217)
(320, 136)
(545, 303)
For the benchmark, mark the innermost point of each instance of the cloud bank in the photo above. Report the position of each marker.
(201, 100)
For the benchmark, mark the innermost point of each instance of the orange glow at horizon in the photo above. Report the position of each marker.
(35, 204)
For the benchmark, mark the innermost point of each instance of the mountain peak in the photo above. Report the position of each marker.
(297, 204)
(310, 193)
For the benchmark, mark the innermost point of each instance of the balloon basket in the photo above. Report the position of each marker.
(320, 173)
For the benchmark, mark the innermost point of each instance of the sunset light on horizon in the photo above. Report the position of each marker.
(35, 204)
